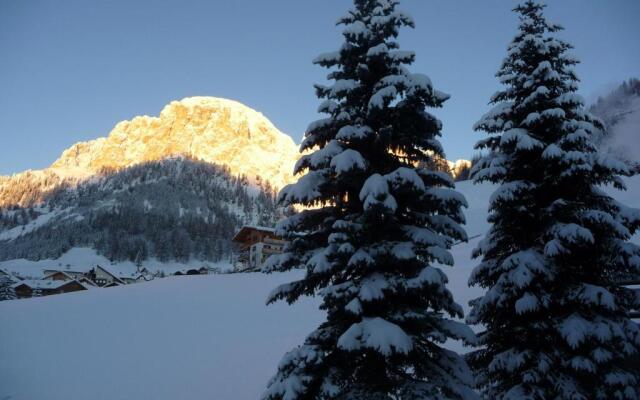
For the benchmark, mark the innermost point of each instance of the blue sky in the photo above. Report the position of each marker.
(70, 70)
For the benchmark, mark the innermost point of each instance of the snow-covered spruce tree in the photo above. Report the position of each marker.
(375, 223)
(6, 289)
(555, 317)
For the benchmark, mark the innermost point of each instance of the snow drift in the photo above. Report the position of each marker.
(202, 337)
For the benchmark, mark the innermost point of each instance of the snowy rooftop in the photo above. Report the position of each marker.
(260, 228)
(42, 284)
(247, 228)
(58, 272)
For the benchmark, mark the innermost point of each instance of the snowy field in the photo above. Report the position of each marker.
(193, 337)
(201, 337)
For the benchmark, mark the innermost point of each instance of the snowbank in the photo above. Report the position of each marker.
(201, 337)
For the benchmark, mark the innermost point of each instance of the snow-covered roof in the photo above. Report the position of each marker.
(118, 273)
(66, 271)
(53, 272)
(42, 284)
(245, 229)
(88, 283)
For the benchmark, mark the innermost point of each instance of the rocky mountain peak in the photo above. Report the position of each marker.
(211, 129)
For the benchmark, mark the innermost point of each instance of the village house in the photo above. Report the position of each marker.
(58, 276)
(634, 284)
(55, 281)
(88, 283)
(255, 245)
(65, 276)
(72, 274)
(130, 277)
(100, 276)
(104, 278)
(141, 275)
(40, 287)
(192, 271)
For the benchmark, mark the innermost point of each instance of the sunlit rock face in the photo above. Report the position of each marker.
(458, 166)
(210, 129)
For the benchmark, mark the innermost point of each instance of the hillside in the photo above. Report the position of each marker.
(173, 209)
(620, 111)
(194, 338)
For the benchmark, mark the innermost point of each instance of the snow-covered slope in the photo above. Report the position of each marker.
(176, 338)
(620, 110)
(172, 209)
(180, 338)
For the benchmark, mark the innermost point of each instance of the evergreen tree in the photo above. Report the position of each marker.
(6, 289)
(138, 261)
(555, 315)
(377, 222)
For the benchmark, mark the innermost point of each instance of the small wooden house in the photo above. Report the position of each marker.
(127, 276)
(72, 274)
(255, 245)
(58, 276)
(88, 283)
(192, 271)
(634, 284)
(29, 287)
(104, 278)
(249, 235)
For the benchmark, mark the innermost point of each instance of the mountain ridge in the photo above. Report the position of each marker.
(210, 129)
